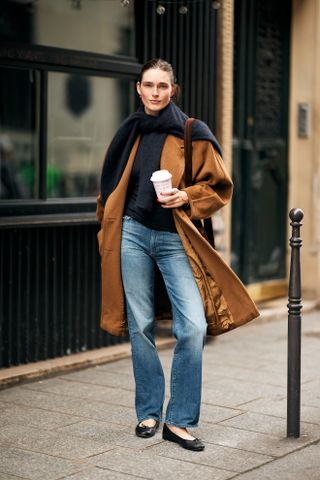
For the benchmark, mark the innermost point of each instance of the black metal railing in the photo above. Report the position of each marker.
(49, 293)
(189, 42)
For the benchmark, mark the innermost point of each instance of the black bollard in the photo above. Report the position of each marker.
(294, 328)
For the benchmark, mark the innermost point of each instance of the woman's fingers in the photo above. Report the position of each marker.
(172, 198)
(169, 195)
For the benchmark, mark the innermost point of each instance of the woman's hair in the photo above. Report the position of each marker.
(166, 67)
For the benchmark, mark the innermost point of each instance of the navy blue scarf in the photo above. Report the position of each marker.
(171, 121)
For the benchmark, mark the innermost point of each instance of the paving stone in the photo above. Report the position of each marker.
(24, 436)
(167, 352)
(223, 396)
(257, 377)
(35, 466)
(235, 356)
(110, 433)
(311, 396)
(85, 391)
(23, 396)
(158, 467)
(256, 422)
(307, 374)
(214, 414)
(301, 465)
(230, 459)
(278, 408)
(34, 417)
(120, 366)
(312, 385)
(274, 359)
(165, 362)
(236, 338)
(102, 377)
(96, 430)
(250, 441)
(218, 357)
(124, 367)
(233, 393)
(98, 473)
(281, 371)
(6, 476)
(77, 407)
(56, 444)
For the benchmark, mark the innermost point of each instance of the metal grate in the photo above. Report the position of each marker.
(49, 293)
(188, 42)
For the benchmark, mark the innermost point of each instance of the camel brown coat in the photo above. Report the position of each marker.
(225, 299)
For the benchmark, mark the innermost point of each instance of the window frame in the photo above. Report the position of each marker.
(45, 60)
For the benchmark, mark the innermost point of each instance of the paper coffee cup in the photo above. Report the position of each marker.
(161, 180)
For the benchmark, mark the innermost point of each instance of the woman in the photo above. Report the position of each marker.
(139, 231)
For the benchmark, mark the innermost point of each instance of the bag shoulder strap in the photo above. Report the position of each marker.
(206, 229)
(188, 152)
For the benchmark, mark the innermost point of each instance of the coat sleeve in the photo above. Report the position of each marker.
(212, 188)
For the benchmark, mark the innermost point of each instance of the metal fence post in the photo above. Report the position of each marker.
(294, 328)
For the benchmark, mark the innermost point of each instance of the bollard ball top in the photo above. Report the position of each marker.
(296, 214)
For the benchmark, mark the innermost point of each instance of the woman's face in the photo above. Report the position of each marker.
(155, 90)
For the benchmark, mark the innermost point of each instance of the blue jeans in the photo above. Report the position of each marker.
(141, 247)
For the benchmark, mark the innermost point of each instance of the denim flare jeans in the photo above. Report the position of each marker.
(141, 247)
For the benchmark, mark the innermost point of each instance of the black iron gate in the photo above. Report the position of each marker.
(49, 293)
(188, 42)
(262, 33)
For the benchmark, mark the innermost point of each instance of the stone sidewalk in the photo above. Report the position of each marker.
(80, 425)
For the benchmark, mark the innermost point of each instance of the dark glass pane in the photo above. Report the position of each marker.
(100, 26)
(83, 114)
(18, 137)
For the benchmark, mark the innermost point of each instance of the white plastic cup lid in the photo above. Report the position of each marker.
(160, 176)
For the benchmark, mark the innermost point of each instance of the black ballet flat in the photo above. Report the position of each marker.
(144, 431)
(195, 444)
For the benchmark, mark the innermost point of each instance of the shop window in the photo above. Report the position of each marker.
(18, 134)
(99, 26)
(83, 114)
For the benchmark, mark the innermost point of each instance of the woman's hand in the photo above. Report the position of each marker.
(173, 198)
